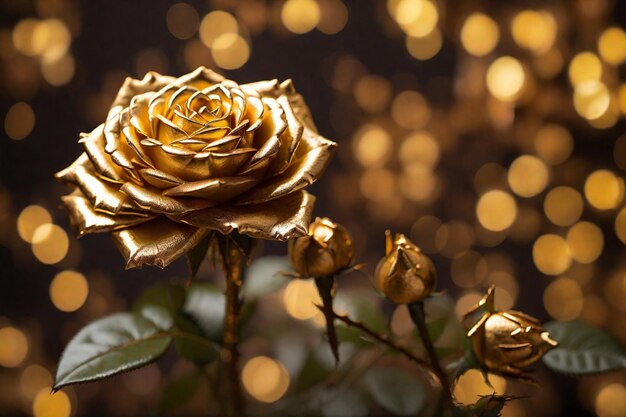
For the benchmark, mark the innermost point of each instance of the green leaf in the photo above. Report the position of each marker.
(178, 391)
(395, 390)
(583, 349)
(266, 275)
(196, 255)
(206, 305)
(114, 344)
(171, 297)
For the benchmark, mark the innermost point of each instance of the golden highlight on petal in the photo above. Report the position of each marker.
(158, 242)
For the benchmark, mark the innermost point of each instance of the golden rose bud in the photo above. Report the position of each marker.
(405, 275)
(506, 342)
(324, 251)
(178, 157)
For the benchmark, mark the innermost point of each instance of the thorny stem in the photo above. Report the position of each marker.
(382, 339)
(416, 311)
(325, 288)
(233, 264)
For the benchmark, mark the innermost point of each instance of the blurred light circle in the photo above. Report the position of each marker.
(47, 404)
(19, 121)
(604, 190)
(620, 225)
(33, 379)
(612, 45)
(479, 34)
(563, 299)
(585, 241)
(230, 51)
(13, 347)
(378, 184)
(23, 36)
(528, 176)
(419, 147)
(585, 66)
(59, 72)
(50, 243)
(534, 30)
(471, 386)
(591, 99)
(425, 47)
(300, 297)
(333, 16)
(69, 290)
(563, 205)
(417, 18)
(182, 20)
(372, 93)
(551, 254)
(265, 379)
(300, 16)
(372, 146)
(30, 219)
(410, 110)
(505, 78)
(611, 401)
(496, 210)
(215, 24)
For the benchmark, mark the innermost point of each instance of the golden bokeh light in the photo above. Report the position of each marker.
(419, 147)
(182, 20)
(69, 290)
(621, 98)
(490, 175)
(300, 16)
(528, 176)
(479, 34)
(51, 39)
(417, 18)
(604, 190)
(215, 24)
(33, 379)
(410, 110)
(551, 254)
(265, 379)
(30, 219)
(424, 47)
(14, 347)
(19, 121)
(23, 36)
(553, 143)
(612, 45)
(372, 146)
(418, 182)
(505, 78)
(615, 290)
(333, 16)
(611, 401)
(563, 299)
(50, 243)
(534, 30)
(471, 386)
(300, 297)
(549, 64)
(47, 404)
(585, 241)
(496, 210)
(372, 93)
(378, 184)
(230, 51)
(585, 66)
(465, 302)
(591, 99)
(563, 205)
(59, 72)
(620, 225)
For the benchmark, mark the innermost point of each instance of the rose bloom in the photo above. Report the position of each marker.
(179, 157)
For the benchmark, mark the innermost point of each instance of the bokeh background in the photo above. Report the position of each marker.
(490, 132)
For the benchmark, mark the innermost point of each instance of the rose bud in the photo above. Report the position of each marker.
(506, 342)
(324, 251)
(177, 158)
(405, 275)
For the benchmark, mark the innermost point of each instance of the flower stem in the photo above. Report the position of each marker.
(382, 339)
(325, 288)
(233, 265)
(416, 310)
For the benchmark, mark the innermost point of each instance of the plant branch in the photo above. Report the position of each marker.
(416, 311)
(325, 288)
(233, 265)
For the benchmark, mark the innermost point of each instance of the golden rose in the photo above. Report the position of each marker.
(324, 251)
(178, 157)
(405, 275)
(506, 342)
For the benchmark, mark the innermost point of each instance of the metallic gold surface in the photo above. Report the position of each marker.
(405, 275)
(197, 152)
(324, 251)
(506, 342)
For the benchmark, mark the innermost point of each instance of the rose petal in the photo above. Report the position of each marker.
(289, 139)
(215, 189)
(157, 243)
(312, 156)
(268, 88)
(133, 140)
(152, 81)
(102, 162)
(218, 165)
(159, 179)
(85, 219)
(139, 114)
(279, 219)
(103, 195)
(298, 104)
(154, 201)
(262, 159)
(273, 124)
